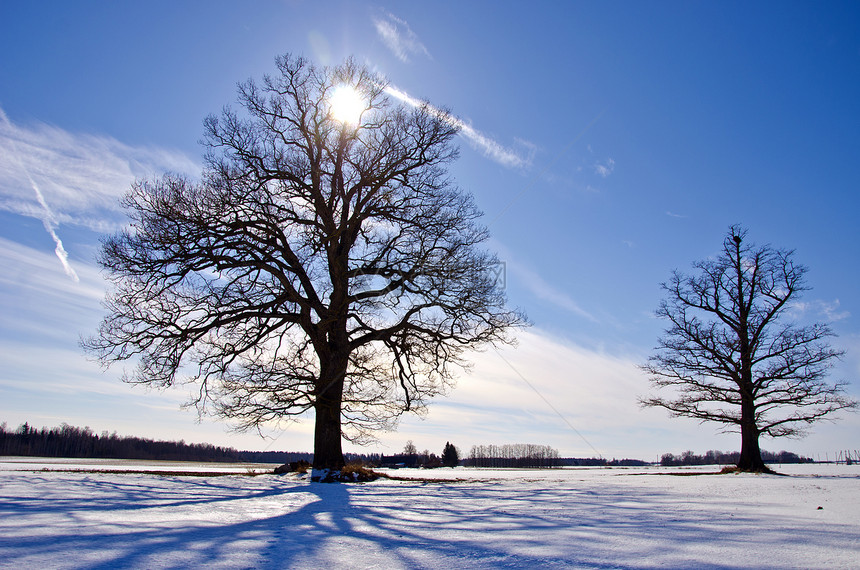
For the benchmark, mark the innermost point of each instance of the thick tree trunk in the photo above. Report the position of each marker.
(328, 450)
(750, 459)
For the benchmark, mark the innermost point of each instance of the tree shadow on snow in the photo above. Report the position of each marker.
(270, 522)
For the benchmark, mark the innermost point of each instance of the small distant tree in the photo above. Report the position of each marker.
(430, 460)
(410, 454)
(732, 356)
(450, 456)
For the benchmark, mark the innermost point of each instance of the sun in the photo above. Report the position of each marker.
(346, 105)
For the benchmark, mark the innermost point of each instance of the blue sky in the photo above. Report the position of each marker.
(607, 143)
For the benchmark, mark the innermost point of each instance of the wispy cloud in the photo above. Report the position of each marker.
(829, 310)
(494, 150)
(80, 176)
(592, 395)
(489, 147)
(34, 299)
(399, 37)
(543, 290)
(674, 215)
(605, 168)
(46, 216)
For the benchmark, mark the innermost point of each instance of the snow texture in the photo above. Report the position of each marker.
(581, 518)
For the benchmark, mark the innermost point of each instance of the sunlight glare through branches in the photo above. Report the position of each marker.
(347, 105)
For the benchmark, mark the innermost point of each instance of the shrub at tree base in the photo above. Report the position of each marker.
(350, 473)
(300, 466)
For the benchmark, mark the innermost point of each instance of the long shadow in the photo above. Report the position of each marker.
(132, 492)
(268, 522)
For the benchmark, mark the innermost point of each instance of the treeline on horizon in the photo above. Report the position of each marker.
(529, 456)
(727, 458)
(522, 455)
(77, 443)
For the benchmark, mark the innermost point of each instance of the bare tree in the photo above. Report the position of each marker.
(732, 355)
(322, 264)
(410, 449)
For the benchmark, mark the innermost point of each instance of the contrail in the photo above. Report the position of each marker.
(491, 148)
(48, 219)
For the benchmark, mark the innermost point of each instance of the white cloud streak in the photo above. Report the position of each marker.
(399, 37)
(546, 292)
(47, 216)
(81, 176)
(486, 145)
(35, 302)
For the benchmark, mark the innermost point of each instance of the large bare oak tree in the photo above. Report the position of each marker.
(321, 264)
(732, 355)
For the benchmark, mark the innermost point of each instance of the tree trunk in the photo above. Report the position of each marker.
(750, 459)
(328, 450)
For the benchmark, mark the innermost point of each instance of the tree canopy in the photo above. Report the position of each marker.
(320, 264)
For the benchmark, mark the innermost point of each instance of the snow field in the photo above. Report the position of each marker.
(581, 518)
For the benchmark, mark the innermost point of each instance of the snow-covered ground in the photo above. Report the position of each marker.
(581, 518)
(129, 465)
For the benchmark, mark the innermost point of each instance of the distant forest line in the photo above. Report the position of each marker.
(730, 458)
(73, 442)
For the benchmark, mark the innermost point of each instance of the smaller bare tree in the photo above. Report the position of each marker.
(731, 356)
